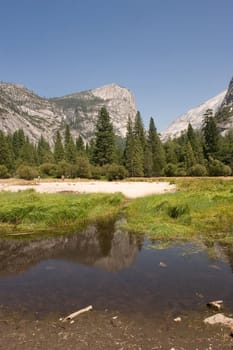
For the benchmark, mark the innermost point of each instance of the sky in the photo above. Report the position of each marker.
(172, 54)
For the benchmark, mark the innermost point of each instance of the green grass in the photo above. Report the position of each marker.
(30, 212)
(199, 208)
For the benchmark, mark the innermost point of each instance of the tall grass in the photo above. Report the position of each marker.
(29, 211)
(199, 207)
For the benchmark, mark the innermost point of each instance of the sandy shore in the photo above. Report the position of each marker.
(129, 189)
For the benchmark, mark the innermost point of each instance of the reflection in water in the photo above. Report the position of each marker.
(103, 245)
(112, 269)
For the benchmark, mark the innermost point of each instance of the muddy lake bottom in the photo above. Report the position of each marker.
(137, 287)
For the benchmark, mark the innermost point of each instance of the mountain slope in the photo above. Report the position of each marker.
(224, 116)
(82, 109)
(194, 116)
(20, 108)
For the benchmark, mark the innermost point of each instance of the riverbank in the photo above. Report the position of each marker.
(127, 188)
(110, 330)
(198, 207)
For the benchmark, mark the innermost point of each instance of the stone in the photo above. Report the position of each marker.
(219, 319)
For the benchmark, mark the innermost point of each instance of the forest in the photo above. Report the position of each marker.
(141, 154)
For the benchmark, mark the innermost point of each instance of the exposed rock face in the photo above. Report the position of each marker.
(22, 109)
(228, 99)
(193, 116)
(82, 109)
(225, 113)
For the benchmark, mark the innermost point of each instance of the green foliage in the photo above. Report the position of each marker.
(96, 172)
(170, 169)
(27, 172)
(178, 210)
(217, 168)
(197, 170)
(48, 169)
(4, 173)
(83, 167)
(59, 153)
(44, 154)
(28, 211)
(115, 172)
(198, 207)
(157, 151)
(211, 134)
(104, 151)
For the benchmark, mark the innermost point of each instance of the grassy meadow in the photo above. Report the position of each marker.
(31, 213)
(200, 208)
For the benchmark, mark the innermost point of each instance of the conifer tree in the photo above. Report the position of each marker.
(190, 159)
(28, 154)
(196, 144)
(129, 148)
(44, 154)
(139, 130)
(80, 146)
(148, 160)
(104, 146)
(18, 142)
(69, 147)
(5, 154)
(211, 134)
(59, 154)
(158, 154)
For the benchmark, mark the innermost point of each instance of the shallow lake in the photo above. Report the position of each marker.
(114, 270)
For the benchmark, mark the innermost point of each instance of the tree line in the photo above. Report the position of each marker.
(140, 154)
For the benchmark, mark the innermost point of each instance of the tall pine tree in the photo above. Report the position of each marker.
(104, 146)
(59, 153)
(158, 154)
(211, 134)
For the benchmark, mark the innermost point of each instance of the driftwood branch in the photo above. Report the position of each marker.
(77, 313)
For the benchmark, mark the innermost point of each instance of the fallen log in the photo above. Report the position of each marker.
(77, 313)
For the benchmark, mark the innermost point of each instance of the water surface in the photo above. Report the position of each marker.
(114, 270)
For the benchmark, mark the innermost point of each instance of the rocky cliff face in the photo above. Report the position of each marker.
(193, 116)
(222, 106)
(82, 109)
(228, 99)
(20, 108)
(224, 116)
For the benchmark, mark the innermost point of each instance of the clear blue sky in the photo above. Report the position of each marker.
(173, 54)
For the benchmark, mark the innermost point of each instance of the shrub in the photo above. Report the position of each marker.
(48, 169)
(178, 210)
(27, 172)
(83, 167)
(4, 174)
(115, 172)
(62, 169)
(170, 170)
(96, 172)
(217, 168)
(197, 170)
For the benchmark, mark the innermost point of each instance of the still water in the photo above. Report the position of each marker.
(114, 270)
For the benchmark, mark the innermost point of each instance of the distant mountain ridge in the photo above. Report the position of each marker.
(20, 108)
(194, 117)
(222, 106)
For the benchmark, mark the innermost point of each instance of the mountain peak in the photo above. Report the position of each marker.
(194, 117)
(20, 108)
